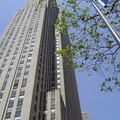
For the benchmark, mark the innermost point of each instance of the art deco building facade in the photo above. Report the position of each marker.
(34, 84)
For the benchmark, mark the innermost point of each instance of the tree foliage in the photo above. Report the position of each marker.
(91, 45)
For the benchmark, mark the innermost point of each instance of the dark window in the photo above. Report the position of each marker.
(22, 93)
(1, 71)
(11, 102)
(27, 66)
(24, 82)
(8, 114)
(17, 114)
(13, 94)
(4, 85)
(9, 69)
(18, 74)
(29, 60)
(53, 104)
(30, 55)
(22, 61)
(11, 63)
(34, 117)
(37, 87)
(20, 101)
(15, 52)
(44, 117)
(20, 68)
(52, 115)
(7, 76)
(15, 84)
(3, 65)
(1, 94)
(26, 72)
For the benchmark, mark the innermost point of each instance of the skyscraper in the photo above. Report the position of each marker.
(34, 83)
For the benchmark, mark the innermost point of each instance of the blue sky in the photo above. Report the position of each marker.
(100, 105)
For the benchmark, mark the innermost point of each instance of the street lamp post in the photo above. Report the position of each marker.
(109, 26)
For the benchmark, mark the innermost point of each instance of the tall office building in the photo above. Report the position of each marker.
(34, 84)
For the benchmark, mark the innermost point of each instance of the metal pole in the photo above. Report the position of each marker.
(109, 26)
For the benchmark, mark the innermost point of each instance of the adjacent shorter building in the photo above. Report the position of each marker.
(34, 83)
(85, 116)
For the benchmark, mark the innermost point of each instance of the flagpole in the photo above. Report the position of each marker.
(109, 26)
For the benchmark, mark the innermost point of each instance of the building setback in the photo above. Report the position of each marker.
(34, 84)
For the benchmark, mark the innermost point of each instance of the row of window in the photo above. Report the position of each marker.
(58, 62)
(18, 18)
(9, 70)
(11, 103)
(9, 50)
(53, 105)
(18, 111)
(11, 64)
(39, 82)
(7, 34)
(12, 46)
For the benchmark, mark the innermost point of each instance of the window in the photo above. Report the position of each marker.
(24, 51)
(17, 118)
(53, 104)
(13, 58)
(30, 50)
(1, 71)
(15, 52)
(17, 48)
(13, 94)
(20, 101)
(3, 65)
(29, 60)
(58, 66)
(34, 117)
(17, 78)
(27, 43)
(1, 94)
(18, 112)
(22, 93)
(26, 72)
(5, 60)
(24, 82)
(22, 61)
(18, 74)
(58, 76)
(52, 115)
(58, 71)
(27, 66)
(7, 76)
(18, 44)
(11, 63)
(20, 68)
(58, 84)
(4, 85)
(23, 56)
(11, 46)
(15, 84)
(52, 95)
(31, 45)
(8, 114)
(11, 102)
(30, 55)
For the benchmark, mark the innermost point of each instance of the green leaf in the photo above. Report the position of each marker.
(95, 69)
